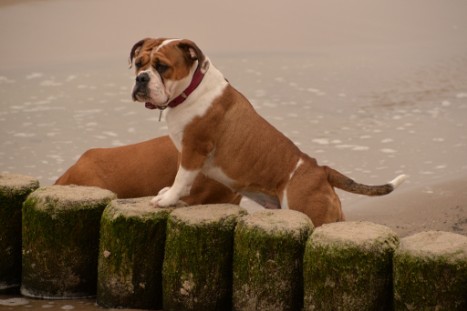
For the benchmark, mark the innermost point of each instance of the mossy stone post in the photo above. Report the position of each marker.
(430, 272)
(268, 259)
(197, 271)
(13, 192)
(61, 241)
(131, 254)
(348, 266)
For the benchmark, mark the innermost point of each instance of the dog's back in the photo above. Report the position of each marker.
(134, 170)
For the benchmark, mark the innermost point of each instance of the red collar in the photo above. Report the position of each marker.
(195, 81)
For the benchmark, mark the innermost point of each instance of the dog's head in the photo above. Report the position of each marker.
(164, 68)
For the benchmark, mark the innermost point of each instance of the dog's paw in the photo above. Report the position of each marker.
(165, 199)
(153, 202)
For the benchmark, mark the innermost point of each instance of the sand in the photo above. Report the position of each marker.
(438, 205)
(373, 89)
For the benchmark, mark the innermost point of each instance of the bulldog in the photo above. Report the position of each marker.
(220, 135)
(140, 170)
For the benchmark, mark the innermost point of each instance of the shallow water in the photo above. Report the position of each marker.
(371, 131)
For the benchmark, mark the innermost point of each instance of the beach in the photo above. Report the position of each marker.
(371, 89)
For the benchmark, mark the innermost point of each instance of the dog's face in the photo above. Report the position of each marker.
(164, 68)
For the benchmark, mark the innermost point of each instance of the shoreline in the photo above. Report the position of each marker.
(439, 205)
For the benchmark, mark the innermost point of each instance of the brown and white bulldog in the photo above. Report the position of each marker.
(140, 170)
(220, 135)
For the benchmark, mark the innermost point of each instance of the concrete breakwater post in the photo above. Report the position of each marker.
(61, 240)
(13, 192)
(197, 270)
(348, 266)
(268, 258)
(131, 253)
(430, 272)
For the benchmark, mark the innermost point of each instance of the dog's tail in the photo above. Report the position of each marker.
(343, 182)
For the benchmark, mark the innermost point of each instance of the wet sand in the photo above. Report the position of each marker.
(373, 90)
(437, 206)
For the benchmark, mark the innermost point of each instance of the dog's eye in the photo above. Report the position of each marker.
(161, 67)
(138, 64)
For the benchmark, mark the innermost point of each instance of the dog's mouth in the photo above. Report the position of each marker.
(144, 98)
(151, 106)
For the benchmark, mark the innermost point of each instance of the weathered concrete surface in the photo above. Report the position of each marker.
(61, 241)
(131, 253)
(197, 271)
(13, 192)
(268, 258)
(348, 266)
(430, 272)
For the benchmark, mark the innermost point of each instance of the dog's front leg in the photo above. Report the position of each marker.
(181, 187)
(192, 158)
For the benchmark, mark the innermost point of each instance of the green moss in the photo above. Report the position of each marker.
(349, 269)
(197, 272)
(267, 266)
(430, 281)
(348, 278)
(11, 201)
(60, 246)
(131, 253)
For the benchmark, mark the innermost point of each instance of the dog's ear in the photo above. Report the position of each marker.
(135, 50)
(192, 52)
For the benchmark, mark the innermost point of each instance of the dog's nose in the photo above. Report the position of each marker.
(142, 78)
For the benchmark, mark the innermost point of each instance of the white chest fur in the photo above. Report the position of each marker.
(216, 173)
(195, 105)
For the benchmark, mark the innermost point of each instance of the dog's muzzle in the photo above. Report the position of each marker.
(140, 90)
(142, 81)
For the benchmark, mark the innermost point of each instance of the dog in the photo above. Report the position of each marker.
(220, 135)
(140, 170)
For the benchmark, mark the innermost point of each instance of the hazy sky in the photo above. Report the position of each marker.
(62, 30)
